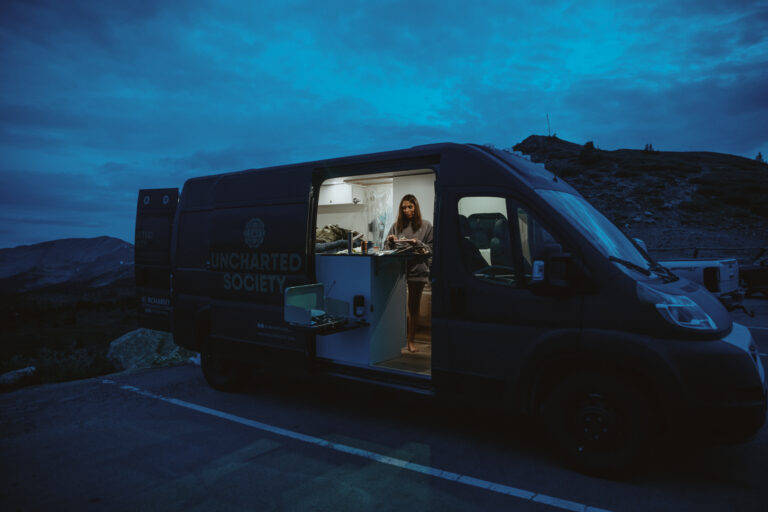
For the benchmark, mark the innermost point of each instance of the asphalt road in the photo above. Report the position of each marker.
(163, 440)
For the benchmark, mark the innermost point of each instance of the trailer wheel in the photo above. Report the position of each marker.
(220, 372)
(599, 423)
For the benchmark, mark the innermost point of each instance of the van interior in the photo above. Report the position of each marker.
(374, 285)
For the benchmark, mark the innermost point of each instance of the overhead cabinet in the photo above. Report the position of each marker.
(341, 193)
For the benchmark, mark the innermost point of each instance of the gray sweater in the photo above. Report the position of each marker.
(416, 271)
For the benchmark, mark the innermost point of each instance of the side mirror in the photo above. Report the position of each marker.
(550, 275)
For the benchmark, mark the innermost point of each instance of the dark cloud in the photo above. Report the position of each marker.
(50, 23)
(51, 193)
(38, 117)
(29, 141)
(99, 99)
(683, 115)
(74, 222)
(38, 207)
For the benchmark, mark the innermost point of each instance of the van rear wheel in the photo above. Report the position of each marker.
(600, 423)
(222, 373)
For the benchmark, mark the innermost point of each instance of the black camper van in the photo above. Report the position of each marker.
(535, 299)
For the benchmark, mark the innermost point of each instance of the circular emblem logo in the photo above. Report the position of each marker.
(146, 199)
(254, 233)
(166, 199)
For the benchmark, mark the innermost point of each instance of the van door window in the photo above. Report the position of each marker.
(485, 243)
(535, 242)
(499, 243)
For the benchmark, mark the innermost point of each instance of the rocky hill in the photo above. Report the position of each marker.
(674, 201)
(85, 262)
(61, 303)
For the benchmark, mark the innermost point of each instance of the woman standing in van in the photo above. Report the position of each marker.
(412, 229)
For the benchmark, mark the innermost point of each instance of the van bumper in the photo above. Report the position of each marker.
(727, 395)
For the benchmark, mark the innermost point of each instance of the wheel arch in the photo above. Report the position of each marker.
(630, 358)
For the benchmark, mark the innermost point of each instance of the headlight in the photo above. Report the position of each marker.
(677, 309)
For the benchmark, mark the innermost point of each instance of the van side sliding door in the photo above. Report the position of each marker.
(258, 248)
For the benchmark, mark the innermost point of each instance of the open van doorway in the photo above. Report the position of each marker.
(364, 207)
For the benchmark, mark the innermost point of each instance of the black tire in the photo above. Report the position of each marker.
(599, 423)
(222, 373)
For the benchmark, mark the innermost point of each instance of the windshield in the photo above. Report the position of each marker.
(600, 231)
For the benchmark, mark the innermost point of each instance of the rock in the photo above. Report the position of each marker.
(647, 213)
(145, 348)
(18, 378)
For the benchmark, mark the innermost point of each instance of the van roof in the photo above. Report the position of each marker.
(199, 192)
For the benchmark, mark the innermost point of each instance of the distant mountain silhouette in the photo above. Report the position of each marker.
(88, 262)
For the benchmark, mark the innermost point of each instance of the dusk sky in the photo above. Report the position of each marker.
(99, 99)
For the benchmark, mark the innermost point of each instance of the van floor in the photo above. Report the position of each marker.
(417, 362)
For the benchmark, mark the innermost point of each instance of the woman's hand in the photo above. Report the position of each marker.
(393, 239)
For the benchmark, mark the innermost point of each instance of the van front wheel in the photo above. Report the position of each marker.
(600, 423)
(220, 372)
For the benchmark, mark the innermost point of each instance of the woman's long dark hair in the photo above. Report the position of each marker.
(402, 221)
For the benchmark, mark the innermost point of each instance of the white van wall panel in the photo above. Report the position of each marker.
(381, 281)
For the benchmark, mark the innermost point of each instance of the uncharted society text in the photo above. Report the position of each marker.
(270, 267)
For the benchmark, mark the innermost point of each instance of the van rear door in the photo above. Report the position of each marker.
(154, 223)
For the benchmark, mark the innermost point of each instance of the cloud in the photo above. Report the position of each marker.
(40, 206)
(49, 23)
(38, 117)
(99, 99)
(683, 115)
(77, 223)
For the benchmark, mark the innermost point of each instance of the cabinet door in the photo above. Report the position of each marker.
(341, 193)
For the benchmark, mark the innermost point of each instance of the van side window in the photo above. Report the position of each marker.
(484, 239)
(535, 241)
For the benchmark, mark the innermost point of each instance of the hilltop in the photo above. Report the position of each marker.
(86, 262)
(674, 201)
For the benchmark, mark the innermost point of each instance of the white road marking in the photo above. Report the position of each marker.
(384, 459)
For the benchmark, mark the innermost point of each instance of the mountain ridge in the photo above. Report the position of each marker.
(92, 262)
(673, 200)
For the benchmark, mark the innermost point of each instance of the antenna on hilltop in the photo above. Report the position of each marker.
(549, 134)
